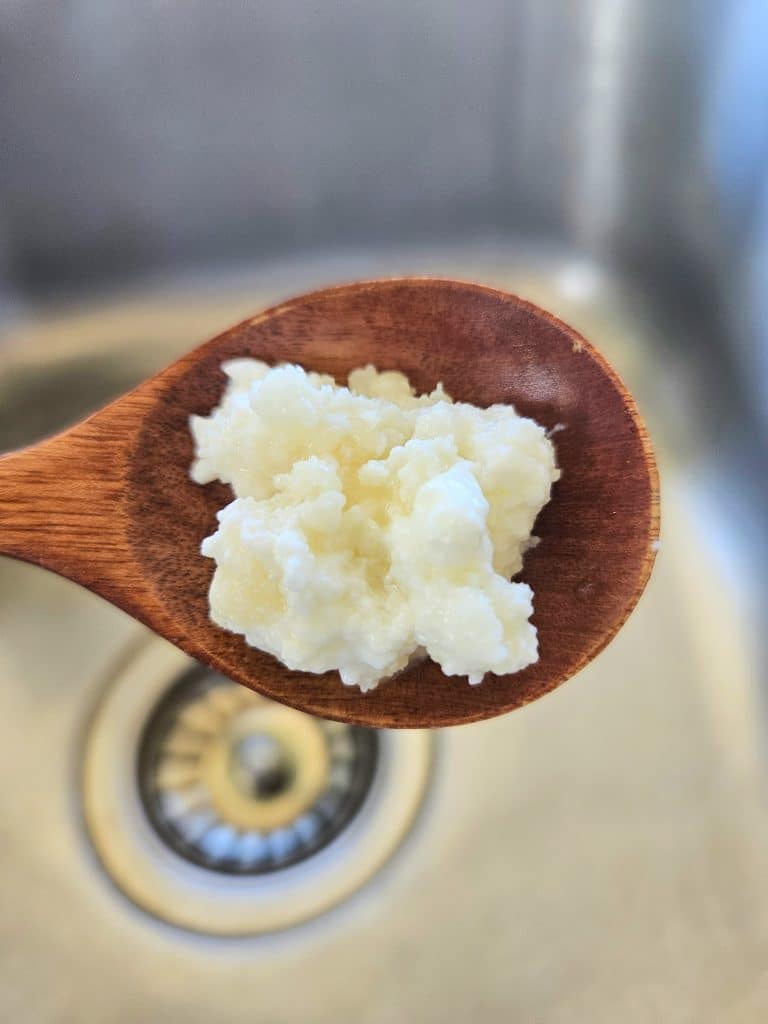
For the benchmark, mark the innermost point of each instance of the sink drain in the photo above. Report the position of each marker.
(222, 812)
(239, 784)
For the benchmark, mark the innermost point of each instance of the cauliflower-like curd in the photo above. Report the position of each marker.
(369, 524)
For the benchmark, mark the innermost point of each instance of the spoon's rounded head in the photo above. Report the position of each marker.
(598, 533)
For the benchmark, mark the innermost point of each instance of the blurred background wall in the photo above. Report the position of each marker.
(138, 137)
(138, 134)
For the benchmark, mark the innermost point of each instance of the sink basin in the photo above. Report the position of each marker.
(596, 856)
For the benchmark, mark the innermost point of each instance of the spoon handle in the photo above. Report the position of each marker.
(60, 504)
(63, 506)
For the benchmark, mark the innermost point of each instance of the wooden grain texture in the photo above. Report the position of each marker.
(110, 504)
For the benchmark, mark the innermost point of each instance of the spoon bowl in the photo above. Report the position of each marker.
(109, 503)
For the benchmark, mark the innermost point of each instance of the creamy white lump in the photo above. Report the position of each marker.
(370, 525)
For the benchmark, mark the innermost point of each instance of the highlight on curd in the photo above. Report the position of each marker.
(371, 525)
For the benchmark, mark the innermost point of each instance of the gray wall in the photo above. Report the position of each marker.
(151, 132)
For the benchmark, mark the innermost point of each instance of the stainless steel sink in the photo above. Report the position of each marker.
(597, 856)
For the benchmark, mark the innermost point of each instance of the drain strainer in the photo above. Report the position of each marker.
(223, 812)
(240, 784)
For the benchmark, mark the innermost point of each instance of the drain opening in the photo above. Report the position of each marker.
(240, 785)
(221, 812)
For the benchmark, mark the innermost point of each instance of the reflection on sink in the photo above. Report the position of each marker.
(599, 851)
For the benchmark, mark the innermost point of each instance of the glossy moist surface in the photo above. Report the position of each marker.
(370, 525)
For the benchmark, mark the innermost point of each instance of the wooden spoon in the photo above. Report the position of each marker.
(109, 503)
